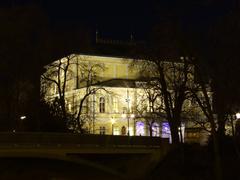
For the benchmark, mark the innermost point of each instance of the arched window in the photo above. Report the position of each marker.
(123, 130)
(102, 105)
(140, 128)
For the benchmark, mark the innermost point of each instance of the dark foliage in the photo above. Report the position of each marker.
(227, 146)
(50, 118)
(194, 162)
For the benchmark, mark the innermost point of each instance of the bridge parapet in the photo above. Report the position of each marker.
(147, 151)
(68, 139)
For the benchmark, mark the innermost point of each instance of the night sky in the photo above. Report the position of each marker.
(111, 19)
(118, 19)
(121, 18)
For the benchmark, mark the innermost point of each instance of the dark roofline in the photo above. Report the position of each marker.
(124, 83)
(104, 55)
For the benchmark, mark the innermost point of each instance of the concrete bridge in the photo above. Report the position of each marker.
(65, 143)
(89, 150)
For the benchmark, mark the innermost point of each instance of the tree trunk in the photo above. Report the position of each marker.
(216, 151)
(79, 121)
(150, 131)
(175, 123)
(218, 172)
(63, 107)
(174, 133)
(181, 135)
(221, 127)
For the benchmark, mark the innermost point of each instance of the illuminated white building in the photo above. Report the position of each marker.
(113, 108)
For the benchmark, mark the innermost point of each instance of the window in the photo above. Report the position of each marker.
(102, 105)
(123, 131)
(85, 107)
(115, 105)
(166, 133)
(69, 107)
(102, 130)
(116, 131)
(55, 89)
(155, 129)
(124, 110)
(140, 128)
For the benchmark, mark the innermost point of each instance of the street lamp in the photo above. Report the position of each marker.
(238, 115)
(112, 121)
(128, 110)
(134, 125)
(128, 125)
(128, 116)
(232, 123)
(23, 117)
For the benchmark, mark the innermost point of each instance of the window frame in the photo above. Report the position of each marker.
(102, 108)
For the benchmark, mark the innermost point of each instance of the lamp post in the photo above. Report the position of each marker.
(128, 125)
(237, 124)
(128, 116)
(238, 115)
(132, 116)
(112, 121)
(128, 111)
(93, 110)
(124, 116)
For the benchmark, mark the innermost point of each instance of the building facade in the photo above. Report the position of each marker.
(116, 101)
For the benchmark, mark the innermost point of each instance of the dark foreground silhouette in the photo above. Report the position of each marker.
(47, 169)
(194, 162)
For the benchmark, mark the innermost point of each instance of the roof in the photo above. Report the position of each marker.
(118, 83)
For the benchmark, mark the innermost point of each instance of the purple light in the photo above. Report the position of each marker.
(166, 130)
(155, 129)
(139, 128)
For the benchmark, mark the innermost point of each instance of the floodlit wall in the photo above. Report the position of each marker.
(121, 95)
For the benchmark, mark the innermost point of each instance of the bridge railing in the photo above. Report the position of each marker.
(81, 140)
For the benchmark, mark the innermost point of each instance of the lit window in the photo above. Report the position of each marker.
(116, 131)
(165, 130)
(102, 130)
(115, 107)
(102, 105)
(155, 129)
(55, 89)
(124, 110)
(140, 129)
(131, 133)
(166, 133)
(70, 107)
(123, 131)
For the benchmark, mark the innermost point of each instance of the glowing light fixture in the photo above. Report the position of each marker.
(112, 120)
(23, 117)
(124, 115)
(238, 115)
